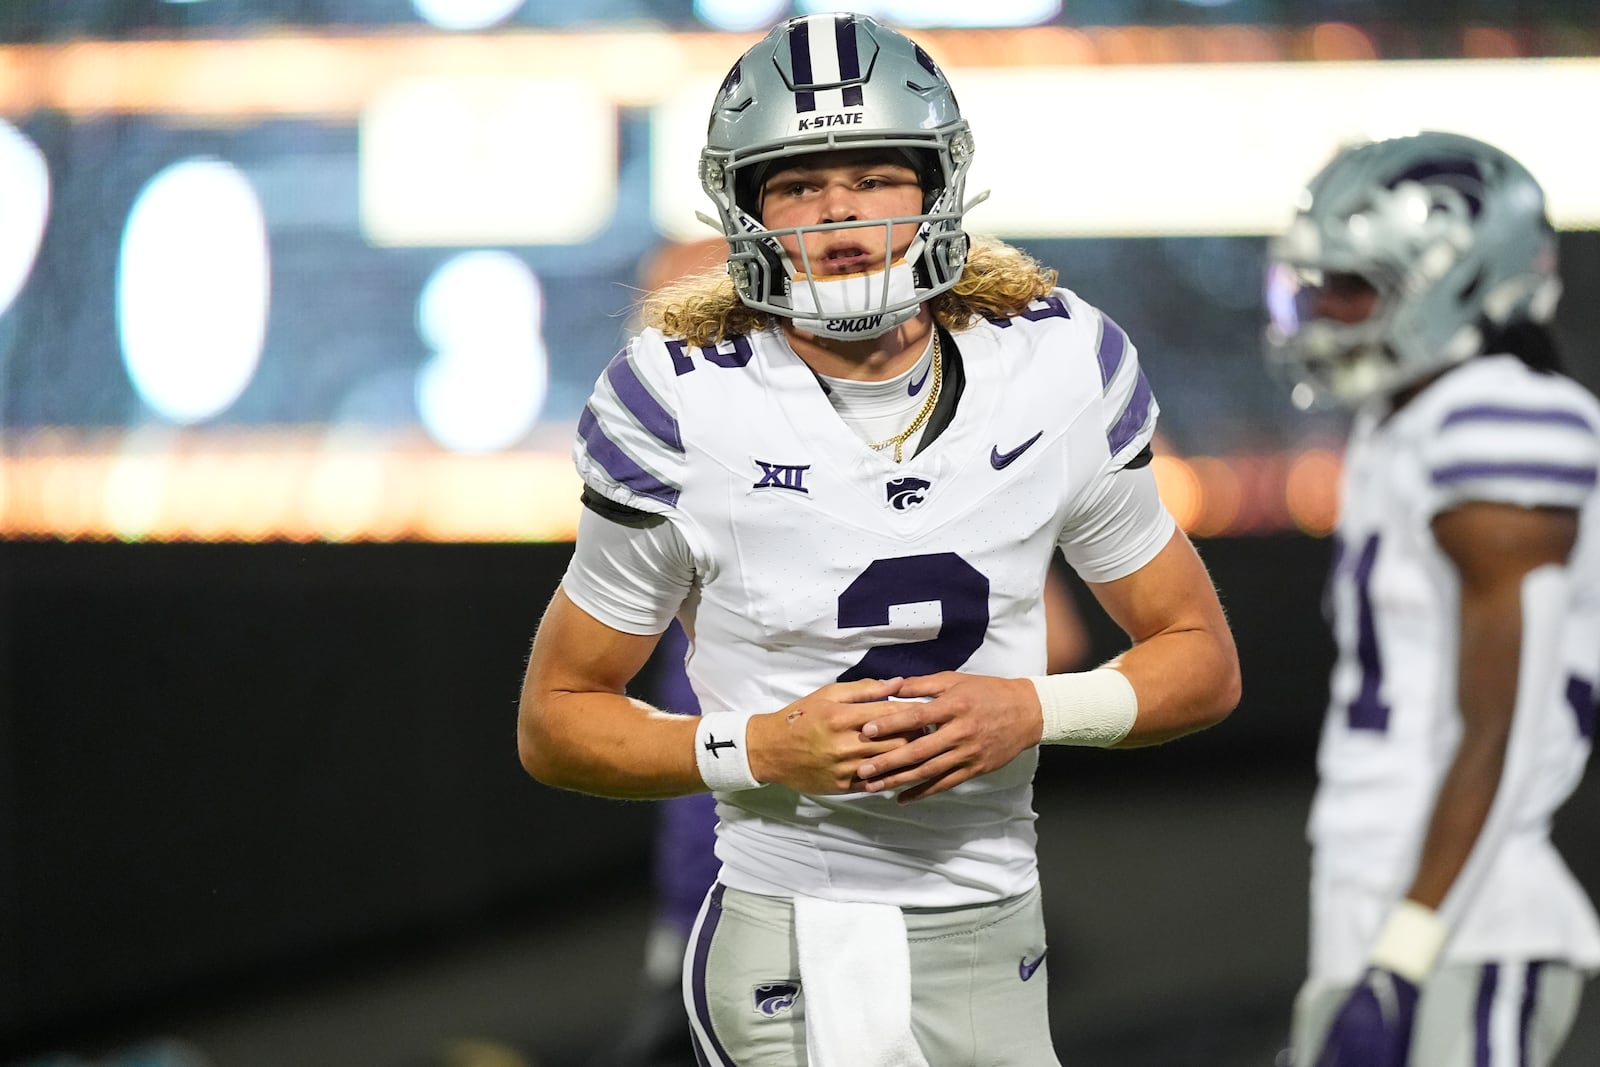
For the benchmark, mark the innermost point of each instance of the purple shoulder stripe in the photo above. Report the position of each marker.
(619, 464)
(1133, 417)
(1543, 472)
(1113, 343)
(1502, 413)
(641, 403)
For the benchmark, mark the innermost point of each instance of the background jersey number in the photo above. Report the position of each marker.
(1368, 710)
(961, 591)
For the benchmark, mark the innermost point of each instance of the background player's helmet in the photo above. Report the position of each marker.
(826, 83)
(1452, 234)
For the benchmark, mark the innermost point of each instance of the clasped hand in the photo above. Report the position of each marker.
(941, 730)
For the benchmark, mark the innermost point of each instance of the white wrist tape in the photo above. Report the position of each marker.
(719, 751)
(1411, 941)
(1095, 708)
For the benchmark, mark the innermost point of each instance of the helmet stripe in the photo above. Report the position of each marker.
(800, 59)
(844, 33)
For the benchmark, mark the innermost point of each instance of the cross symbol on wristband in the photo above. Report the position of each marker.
(712, 744)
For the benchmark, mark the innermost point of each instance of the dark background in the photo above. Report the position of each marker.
(260, 805)
(241, 786)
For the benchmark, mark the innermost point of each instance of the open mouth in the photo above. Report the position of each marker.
(843, 259)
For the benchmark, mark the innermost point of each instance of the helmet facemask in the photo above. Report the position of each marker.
(896, 104)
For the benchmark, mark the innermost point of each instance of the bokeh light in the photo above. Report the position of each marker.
(481, 314)
(193, 289)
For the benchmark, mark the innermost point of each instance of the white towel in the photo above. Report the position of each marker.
(855, 976)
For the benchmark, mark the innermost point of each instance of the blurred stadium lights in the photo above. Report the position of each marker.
(461, 179)
(964, 13)
(472, 160)
(193, 288)
(281, 484)
(1203, 149)
(24, 208)
(338, 76)
(455, 130)
(481, 314)
(465, 14)
(740, 15)
(344, 486)
(758, 14)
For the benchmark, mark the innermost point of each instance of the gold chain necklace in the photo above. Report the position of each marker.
(899, 439)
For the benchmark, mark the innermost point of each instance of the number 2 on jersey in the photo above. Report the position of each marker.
(961, 591)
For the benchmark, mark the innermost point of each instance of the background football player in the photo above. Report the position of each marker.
(1416, 283)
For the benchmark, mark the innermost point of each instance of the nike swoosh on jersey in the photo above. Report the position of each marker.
(1026, 969)
(1001, 460)
(913, 388)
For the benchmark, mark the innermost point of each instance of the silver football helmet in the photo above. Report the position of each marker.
(1448, 231)
(828, 83)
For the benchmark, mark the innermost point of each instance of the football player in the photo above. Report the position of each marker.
(1416, 283)
(683, 854)
(844, 463)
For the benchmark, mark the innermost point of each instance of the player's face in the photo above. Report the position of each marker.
(1345, 298)
(842, 187)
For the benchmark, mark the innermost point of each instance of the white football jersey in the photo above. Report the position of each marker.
(1489, 430)
(816, 559)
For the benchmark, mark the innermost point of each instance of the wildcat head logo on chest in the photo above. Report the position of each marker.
(908, 492)
(782, 476)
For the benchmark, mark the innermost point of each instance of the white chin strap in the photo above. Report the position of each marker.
(850, 307)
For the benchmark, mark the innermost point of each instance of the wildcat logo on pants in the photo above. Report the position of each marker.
(774, 998)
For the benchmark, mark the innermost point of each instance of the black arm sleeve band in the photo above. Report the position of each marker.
(1141, 460)
(621, 514)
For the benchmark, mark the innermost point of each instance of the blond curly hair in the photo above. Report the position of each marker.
(999, 281)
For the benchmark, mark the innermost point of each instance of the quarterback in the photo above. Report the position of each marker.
(1416, 284)
(844, 463)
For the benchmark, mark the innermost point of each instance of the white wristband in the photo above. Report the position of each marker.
(1411, 941)
(1094, 708)
(719, 751)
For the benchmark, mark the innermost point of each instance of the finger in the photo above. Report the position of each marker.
(937, 776)
(934, 775)
(928, 788)
(864, 690)
(928, 685)
(905, 760)
(902, 717)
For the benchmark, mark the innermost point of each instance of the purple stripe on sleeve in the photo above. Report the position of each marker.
(1544, 472)
(1530, 998)
(641, 403)
(1501, 413)
(800, 60)
(1580, 698)
(697, 977)
(619, 464)
(844, 35)
(1133, 417)
(1113, 342)
(1486, 989)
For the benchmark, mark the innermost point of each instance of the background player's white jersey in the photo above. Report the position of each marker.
(816, 559)
(1489, 430)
